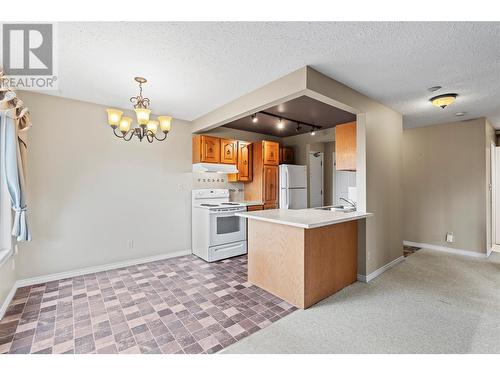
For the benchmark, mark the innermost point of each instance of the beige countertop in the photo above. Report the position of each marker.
(305, 218)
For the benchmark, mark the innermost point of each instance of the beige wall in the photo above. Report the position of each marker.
(7, 280)
(445, 184)
(89, 192)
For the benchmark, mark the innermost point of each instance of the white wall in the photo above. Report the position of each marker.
(89, 192)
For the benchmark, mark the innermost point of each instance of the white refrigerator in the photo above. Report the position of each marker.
(293, 186)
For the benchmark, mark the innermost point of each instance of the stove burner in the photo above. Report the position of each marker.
(230, 204)
(208, 205)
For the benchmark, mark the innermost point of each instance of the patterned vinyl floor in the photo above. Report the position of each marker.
(178, 305)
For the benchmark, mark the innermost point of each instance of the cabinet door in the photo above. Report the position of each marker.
(255, 208)
(228, 151)
(271, 152)
(270, 185)
(210, 149)
(286, 155)
(345, 147)
(245, 161)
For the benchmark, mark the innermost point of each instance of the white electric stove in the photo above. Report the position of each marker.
(217, 233)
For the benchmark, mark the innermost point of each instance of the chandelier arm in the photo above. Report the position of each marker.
(130, 134)
(161, 139)
(150, 136)
(116, 134)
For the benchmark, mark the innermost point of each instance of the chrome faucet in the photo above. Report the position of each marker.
(352, 203)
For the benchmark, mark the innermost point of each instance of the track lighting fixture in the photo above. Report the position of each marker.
(299, 128)
(254, 118)
(280, 124)
(313, 131)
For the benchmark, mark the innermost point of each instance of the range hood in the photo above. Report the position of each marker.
(214, 168)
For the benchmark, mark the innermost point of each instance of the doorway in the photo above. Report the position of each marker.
(316, 160)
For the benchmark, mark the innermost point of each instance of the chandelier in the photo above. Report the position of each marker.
(149, 129)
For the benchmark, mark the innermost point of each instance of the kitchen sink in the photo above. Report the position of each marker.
(339, 208)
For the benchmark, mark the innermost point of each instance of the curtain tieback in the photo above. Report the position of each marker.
(21, 209)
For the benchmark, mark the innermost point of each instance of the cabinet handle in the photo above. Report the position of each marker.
(228, 152)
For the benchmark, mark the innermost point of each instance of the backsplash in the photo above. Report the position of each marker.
(218, 181)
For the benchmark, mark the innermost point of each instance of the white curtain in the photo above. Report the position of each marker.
(13, 148)
(5, 206)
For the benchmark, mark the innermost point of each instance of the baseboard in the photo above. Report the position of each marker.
(446, 249)
(84, 271)
(7, 301)
(380, 270)
(105, 267)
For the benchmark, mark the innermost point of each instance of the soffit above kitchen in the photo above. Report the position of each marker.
(304, 111)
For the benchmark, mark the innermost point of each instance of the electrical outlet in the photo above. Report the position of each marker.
(130, 244)
(450, 237)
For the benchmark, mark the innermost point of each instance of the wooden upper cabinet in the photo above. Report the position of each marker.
(228, 151)
(345, 147)
(206, 149)
(270, 186)
(271, 152)
(244, 163)
(286, 155)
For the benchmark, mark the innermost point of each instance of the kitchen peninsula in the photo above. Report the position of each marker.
(302, 256)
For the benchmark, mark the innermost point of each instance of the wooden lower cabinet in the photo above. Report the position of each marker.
(257, 207)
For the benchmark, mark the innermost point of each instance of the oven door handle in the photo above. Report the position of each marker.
(226, 213)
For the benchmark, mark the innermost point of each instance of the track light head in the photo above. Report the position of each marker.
(280, 124)
(254, 118)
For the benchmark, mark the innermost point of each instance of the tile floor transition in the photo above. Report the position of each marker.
(178, 305)
(409, 250)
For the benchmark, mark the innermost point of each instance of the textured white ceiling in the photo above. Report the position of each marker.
(194, 68)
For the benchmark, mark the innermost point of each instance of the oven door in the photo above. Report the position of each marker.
(226, 227)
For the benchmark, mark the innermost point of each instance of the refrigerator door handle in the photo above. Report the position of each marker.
(287, 195)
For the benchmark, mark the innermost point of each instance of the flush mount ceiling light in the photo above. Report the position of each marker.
(460, 114)
(254, 118)
(444, 100)
(147, 128)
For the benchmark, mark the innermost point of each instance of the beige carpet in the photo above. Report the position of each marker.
(433, 302)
